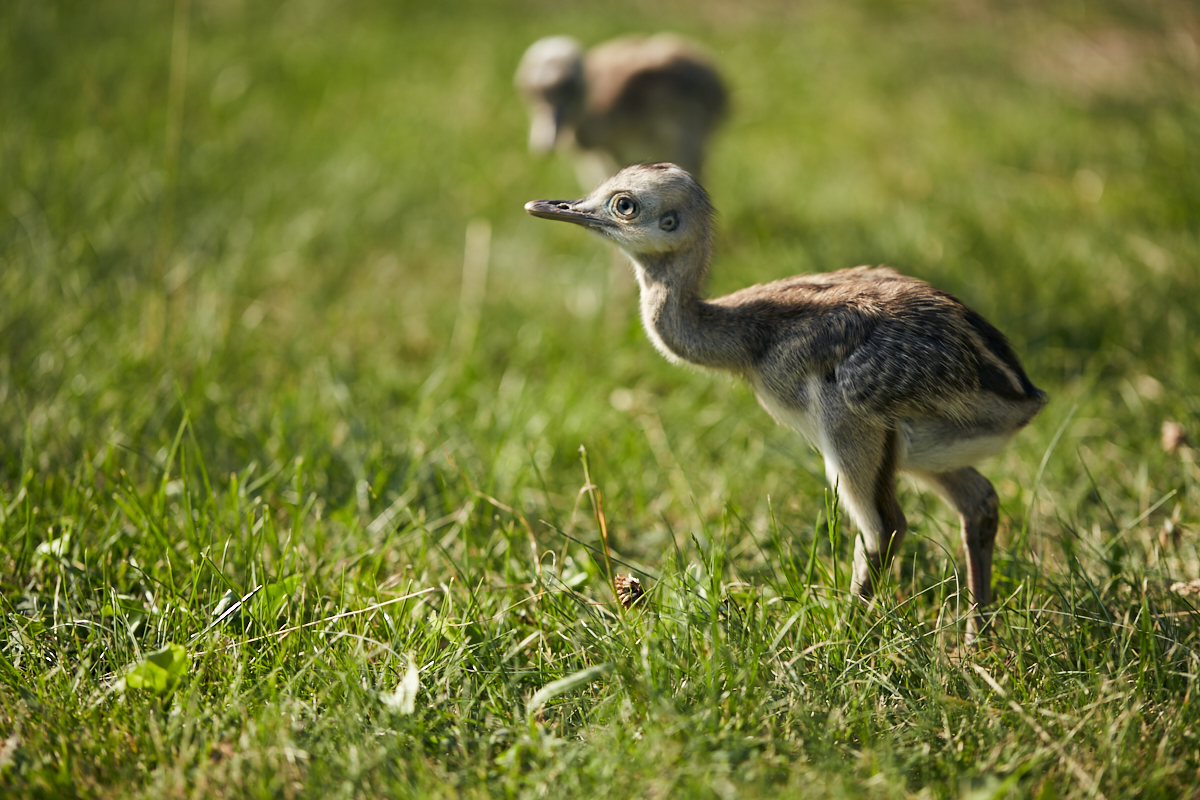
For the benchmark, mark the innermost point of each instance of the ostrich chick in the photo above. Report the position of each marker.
(882, 373)
(625, 101)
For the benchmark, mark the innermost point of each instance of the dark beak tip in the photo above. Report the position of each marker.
(554, 209)
(563, 211)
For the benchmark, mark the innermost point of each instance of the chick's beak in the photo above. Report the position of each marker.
(566, 211)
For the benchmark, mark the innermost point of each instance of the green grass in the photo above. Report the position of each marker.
(231, 246)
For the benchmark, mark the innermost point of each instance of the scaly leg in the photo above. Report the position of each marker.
(974, 497)
(861, 462)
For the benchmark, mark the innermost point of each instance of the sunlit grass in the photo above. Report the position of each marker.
(234, 417)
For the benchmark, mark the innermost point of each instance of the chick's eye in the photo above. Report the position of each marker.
(625, 206)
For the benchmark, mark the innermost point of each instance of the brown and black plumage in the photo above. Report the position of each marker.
(883, 373)
(629, 100)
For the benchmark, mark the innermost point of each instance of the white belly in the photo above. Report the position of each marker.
(928, 450)
(806, 420)
(923, 448)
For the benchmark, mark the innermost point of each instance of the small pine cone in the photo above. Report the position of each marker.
(629, 590)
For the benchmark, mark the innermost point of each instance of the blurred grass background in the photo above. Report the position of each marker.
(231, 251)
